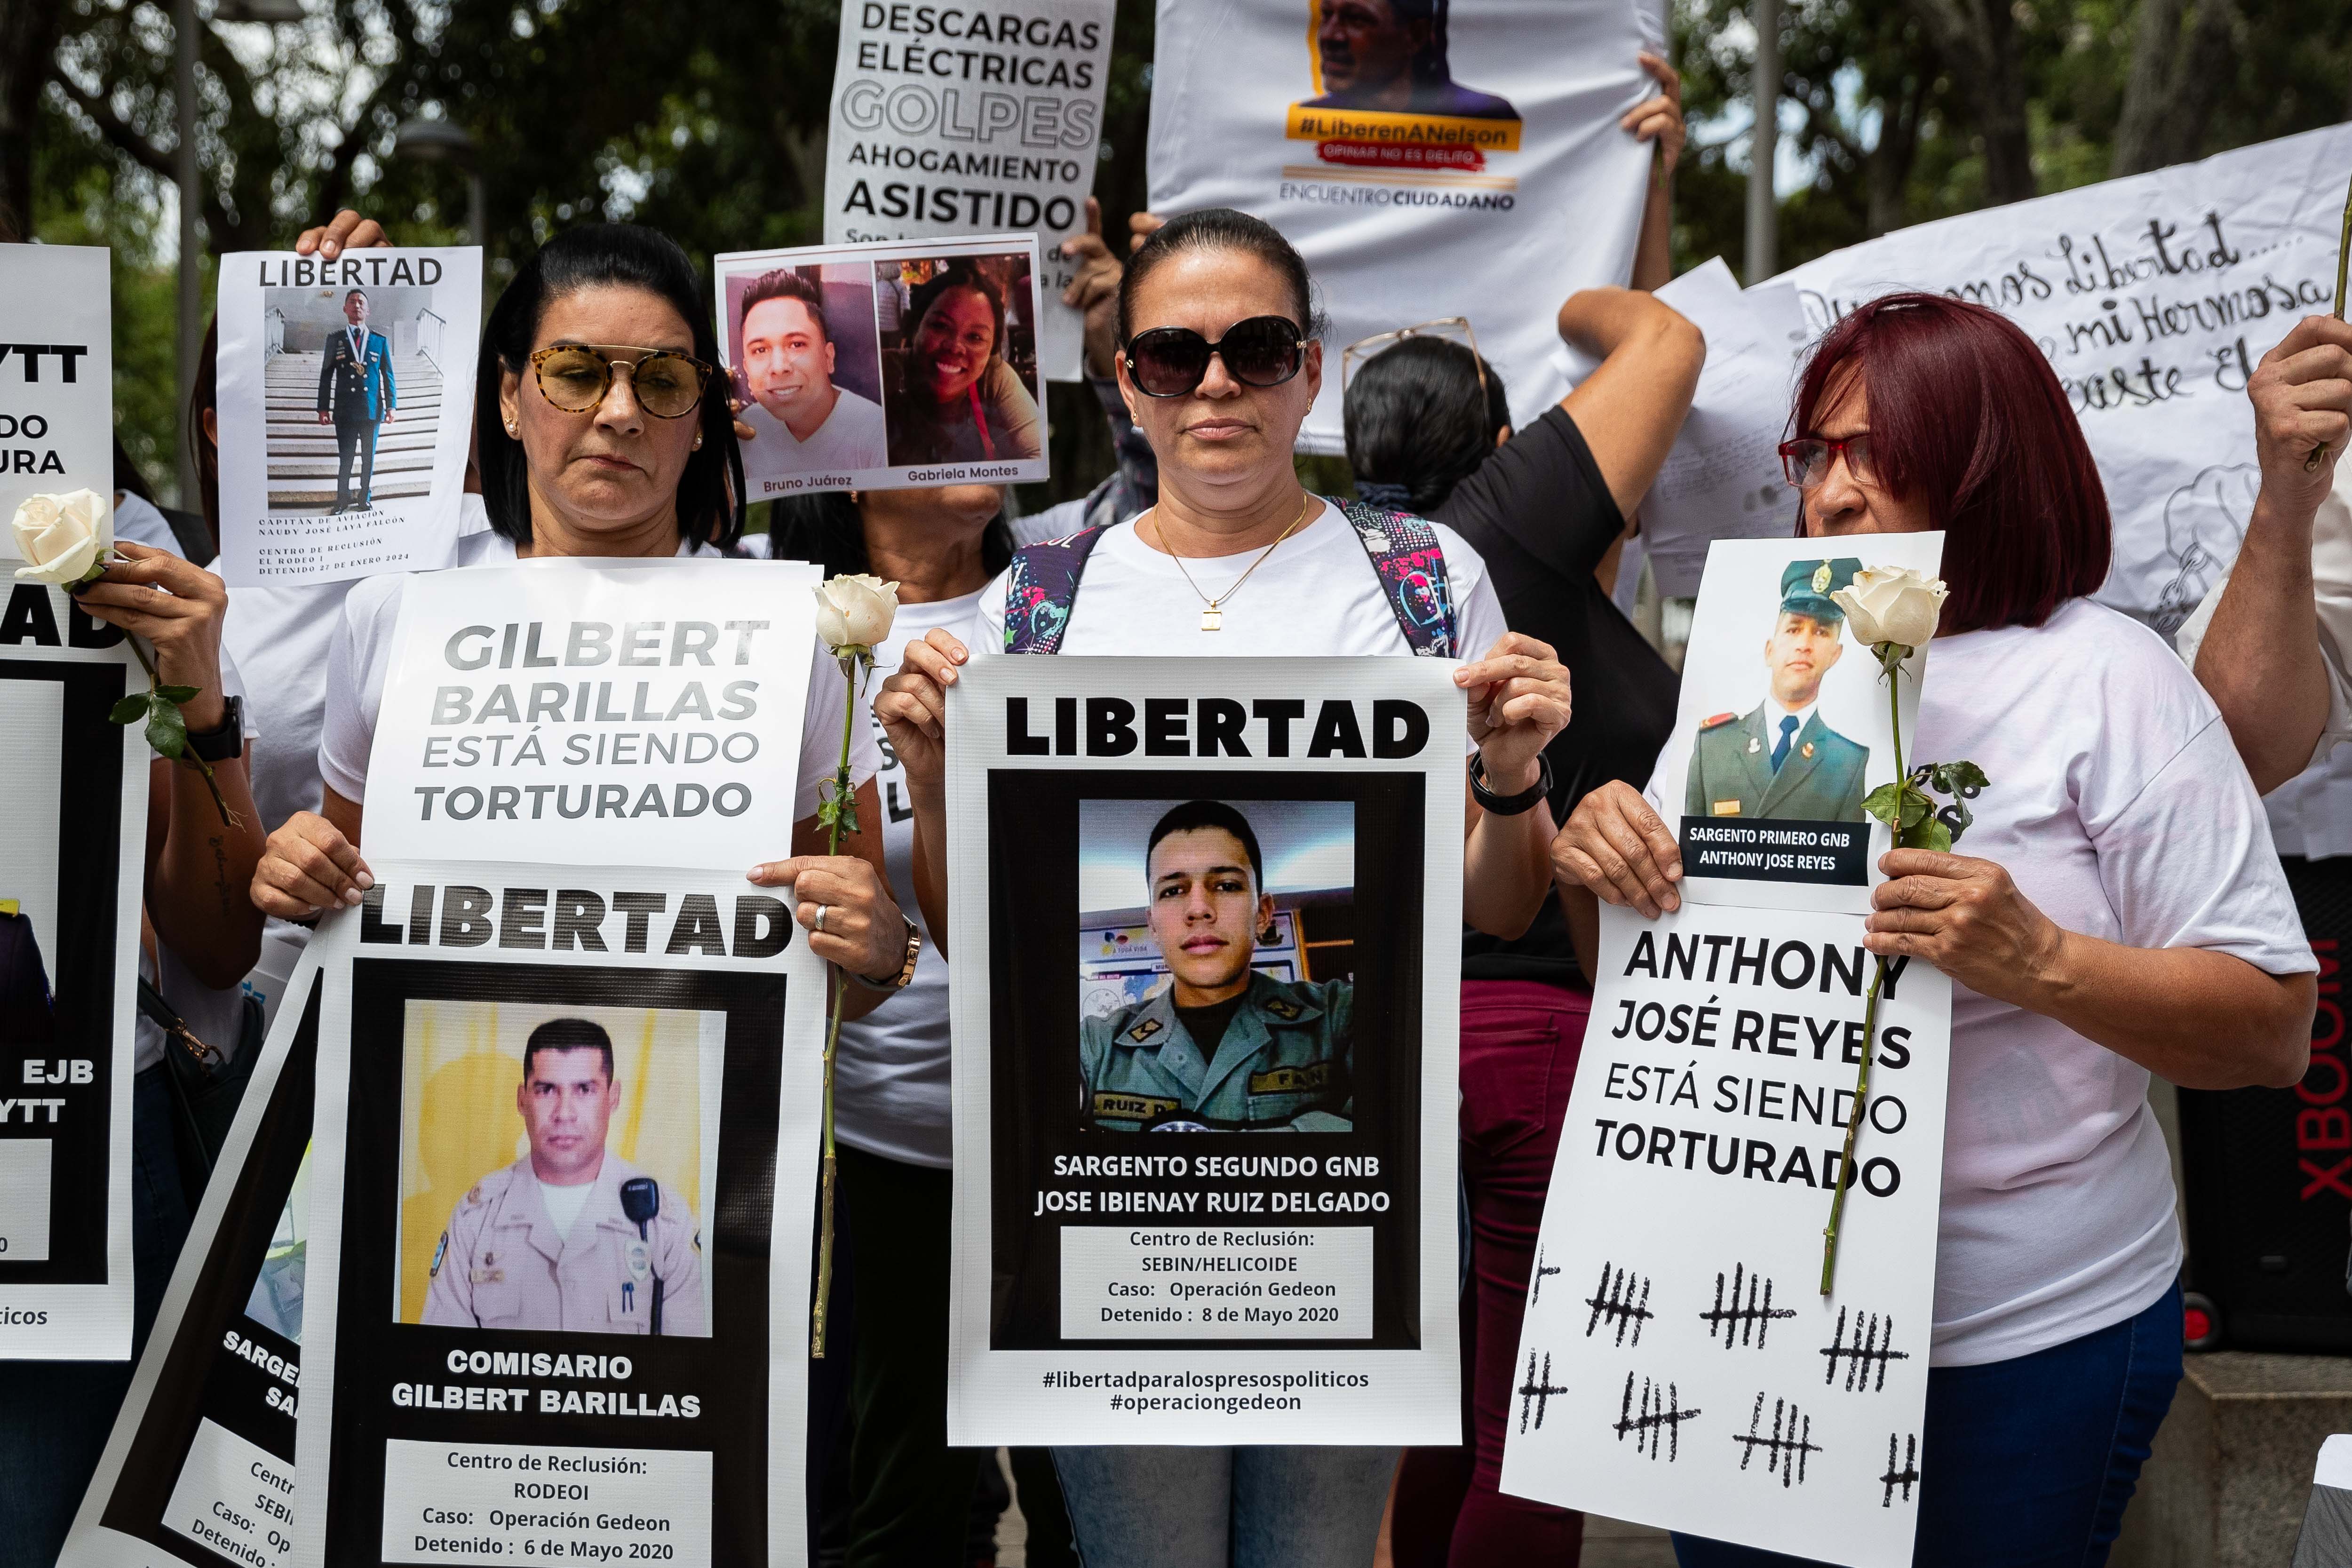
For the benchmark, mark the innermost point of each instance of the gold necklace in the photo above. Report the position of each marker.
(1212, 613)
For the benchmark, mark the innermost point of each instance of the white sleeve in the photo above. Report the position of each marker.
(821, 728)
(138, 521)
(983, 634)
(356, 661)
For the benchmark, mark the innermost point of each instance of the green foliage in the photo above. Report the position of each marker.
(1911, 813)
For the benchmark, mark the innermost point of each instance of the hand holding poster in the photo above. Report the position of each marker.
(346, 391)
(949, 118)
(1234, 916)
(885, 366)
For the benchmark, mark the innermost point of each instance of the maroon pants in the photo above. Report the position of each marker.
(1519, 1045)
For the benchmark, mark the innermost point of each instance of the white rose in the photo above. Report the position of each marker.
(1892, 604)
(65, 539)
(856, 611)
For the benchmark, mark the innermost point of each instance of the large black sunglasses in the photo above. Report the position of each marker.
(1170, 361)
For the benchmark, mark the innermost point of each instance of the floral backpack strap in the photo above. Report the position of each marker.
(1411, 568)
(1040, 589)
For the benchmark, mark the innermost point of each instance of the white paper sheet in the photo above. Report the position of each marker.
(57, 376)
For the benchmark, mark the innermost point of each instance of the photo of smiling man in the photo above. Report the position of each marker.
(802, 419)
(1216, 1044)
(1779, 760)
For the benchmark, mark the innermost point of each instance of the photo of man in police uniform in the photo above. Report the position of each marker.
(1389, 56)
(570, 1237)
(1779, 760)
(1221, 1047)
(356, 395)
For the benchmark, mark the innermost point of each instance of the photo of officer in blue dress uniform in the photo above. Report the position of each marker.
(1221, 1047)
(1779, 760)
(356, 395)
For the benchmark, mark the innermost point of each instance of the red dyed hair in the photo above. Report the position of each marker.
(1966, 412)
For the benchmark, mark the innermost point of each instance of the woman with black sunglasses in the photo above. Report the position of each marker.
(1221, 364)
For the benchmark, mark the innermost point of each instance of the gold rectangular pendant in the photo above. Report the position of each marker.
(1213, 619)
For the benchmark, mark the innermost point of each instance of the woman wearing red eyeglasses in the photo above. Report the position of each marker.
(2120, 913)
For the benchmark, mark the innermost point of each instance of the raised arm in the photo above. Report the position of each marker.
(1630, 409)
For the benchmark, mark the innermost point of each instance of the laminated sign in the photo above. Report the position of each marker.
(1236, 917)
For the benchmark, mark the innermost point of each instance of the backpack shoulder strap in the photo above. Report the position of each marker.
(1040, 588)
(1411, 565)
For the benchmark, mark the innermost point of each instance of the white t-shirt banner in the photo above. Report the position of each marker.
(657, 708)
(1236, 917)
(559, 1202)
(888, 366)
(1483, 146)
(72, 865)
(1678, 1364)
(952, 120)
(57, 376)
(199, 1470)
(2155, 297)
(346, 409)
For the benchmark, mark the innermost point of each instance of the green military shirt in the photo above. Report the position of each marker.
(1731, 771)
(1285, 1064)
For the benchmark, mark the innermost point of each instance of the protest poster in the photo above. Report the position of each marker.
(1679, 1365)
(657, 706)
(2154, 297)
(56, 376)
(199, 1470)
(951, 119)
(72, 869)
(1280, 863)
(559, 1308)
(346, 408)
(1479, 138)
(885, 366)
(1783, 727)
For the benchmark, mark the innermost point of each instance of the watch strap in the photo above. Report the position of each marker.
(906, 970)
(1509, 805)
(226, 741)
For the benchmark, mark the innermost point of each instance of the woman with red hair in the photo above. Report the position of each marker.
(2121, 912)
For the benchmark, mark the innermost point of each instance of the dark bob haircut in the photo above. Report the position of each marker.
(824, 526)
(568, 1034)
(595, 255)
(1416, 417)
(1966, 413)
(1223, 228)
(1196, 814)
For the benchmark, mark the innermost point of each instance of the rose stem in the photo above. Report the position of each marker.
(832, 1035)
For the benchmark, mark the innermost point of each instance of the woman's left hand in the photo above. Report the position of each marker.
(1518, 701)
(1967, 918)
(179, 608)
(863, 931)
(1660, 119)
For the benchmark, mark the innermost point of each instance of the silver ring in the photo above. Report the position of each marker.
(820, 908)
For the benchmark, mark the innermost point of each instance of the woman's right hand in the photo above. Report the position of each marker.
(1618, 849)
(345, 231)
(913, 708)
(307, 865)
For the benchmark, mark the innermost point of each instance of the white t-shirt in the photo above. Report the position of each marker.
(137, 519)
(564, 1204)
(891, 1081)
(2120, 808)
(854, 436)
(361, 651)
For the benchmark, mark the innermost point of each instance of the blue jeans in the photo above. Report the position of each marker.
(55, 1415)
(2028, 1463)
(1225, 1508)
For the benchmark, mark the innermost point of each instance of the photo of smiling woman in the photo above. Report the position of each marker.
(963, 389)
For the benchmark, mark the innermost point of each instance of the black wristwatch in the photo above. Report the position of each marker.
(226, 741)
(1494, 804)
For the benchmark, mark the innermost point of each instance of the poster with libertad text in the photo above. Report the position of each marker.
(1236, 918)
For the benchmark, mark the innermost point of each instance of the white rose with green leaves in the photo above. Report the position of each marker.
(1893, 605)
(856, 611)
(64, 538)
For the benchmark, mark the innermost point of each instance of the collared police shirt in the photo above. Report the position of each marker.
(1286, 1063)
(502, 1263)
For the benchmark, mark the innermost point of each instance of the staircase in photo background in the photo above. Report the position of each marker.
(303, 457)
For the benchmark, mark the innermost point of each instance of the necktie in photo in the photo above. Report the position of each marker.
(1780, 747)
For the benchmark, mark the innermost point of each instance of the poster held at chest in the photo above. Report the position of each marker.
(1478, 137)
(346, 408)
(71, 873)
(199, 1470)
(885, 366)
(56, 376)
(558, 1220)
(952, 120)
(1236, 917)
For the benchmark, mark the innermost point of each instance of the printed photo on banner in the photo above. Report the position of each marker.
(1679, 1363)
(200, 1467)
(57, 379)
(1257, 893)
(346, 409)
(618, 1142)
(953, 120)
(1784, 726)
(560, 1223)
(883, 366)
(71, 862)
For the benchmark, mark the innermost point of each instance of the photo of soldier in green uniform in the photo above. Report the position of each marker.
(1221, 1047)
(1779, 760)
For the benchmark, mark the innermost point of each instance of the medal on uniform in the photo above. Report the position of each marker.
(1806, 749)
(640, 1258)
(1754, 746)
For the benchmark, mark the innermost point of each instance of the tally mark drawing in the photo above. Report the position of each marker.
(1543, 1271)
(1660, 1411)
(1907, 1476)
(1873, 1345)
(1786, 1448)
(1536, 1393)
(1624, 1301)
(1743, 1323)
